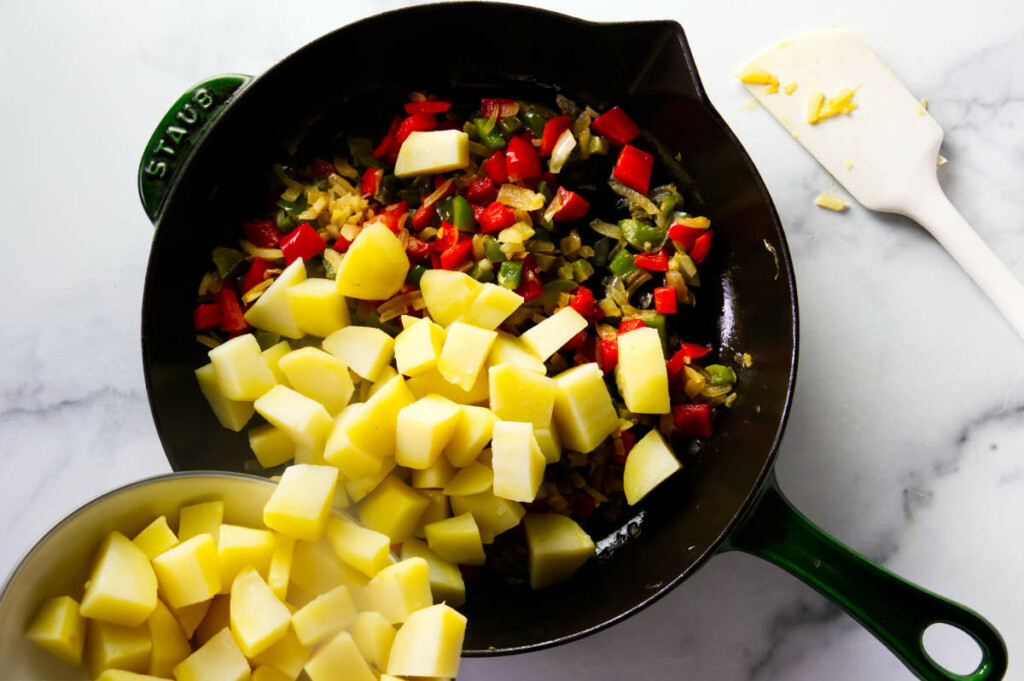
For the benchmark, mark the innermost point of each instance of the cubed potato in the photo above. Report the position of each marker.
(353, 462)
(202, 518)
(446, 583)
(273, 355)
(287, 656)
(268, 673)
(366, 550)
(373, 636)
(437, 509)
(190, 616)
(242, 372)
(364, 349)
(358, 489)
(114, 646)
(517, 461)
(399, 590)
(510, 350)
(320, 376)
(316, 569)
(641, 374)
(305, 420)
(341, 500)
(170, 645)
(471, 434)
(418, 347)
(463, 355)
(473, 479)
(549, 442)
(218, 616)
(557, 547)
(393, 509)
(435, 476)
(372, 428)
(240, 547)
(156, 538)
(518, 394)
(386, 374)
(301, 503)
(232, 414)
(121, 675)
(280, 571)
(339, 660)
(492, 306)
(433, 383)
(584, 413)
(188, 573)
(59, 627)
(429, 644)
(375, 265)
(271, 445)
(457, 539)
(317, 307)
(219, 659)
(271, 311)
(324, 616)
(423, 429)
(493, 514)
(649, 463)
(546, 338)
(429, 153)
(310, 454)
(448, 294)
(122, 586)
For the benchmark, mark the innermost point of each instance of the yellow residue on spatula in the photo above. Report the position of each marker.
(818, 108)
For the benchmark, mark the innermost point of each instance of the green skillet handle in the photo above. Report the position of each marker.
(894, 610)
(178, 134)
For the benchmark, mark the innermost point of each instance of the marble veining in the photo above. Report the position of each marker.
(906, 439)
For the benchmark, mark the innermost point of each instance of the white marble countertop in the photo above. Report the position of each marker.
(907, 432)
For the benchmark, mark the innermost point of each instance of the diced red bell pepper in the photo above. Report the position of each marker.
(435, 260)
(583, 505)
(583, 301)
(255, 273)
(388, 149)
(424, 216)
(553, 129)
(446, 237)
(302, 242)
(418, 122)
(576, 341)
(495, 167)
(429, 106)
(495, 218)
(322, 168)
(686, 350)
(573, 207)
(478, 210)
(206, 316)
(505, 107)
(701, 247)
(633, 168)
(616, 126)
(521, 159)
(628, 440)
(665, 300)
(371, 182)
(692, 419)
(417, 249)
(654, 262)
(445, 124)
(459, 254)
(609, 353)
(231, 315)
(530, 287)
(627, 325)
(392, 215)
(342, 244)
(262, 233)
(684, 236)
(481, 191)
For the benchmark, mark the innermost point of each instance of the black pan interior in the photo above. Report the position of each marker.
(747, 301)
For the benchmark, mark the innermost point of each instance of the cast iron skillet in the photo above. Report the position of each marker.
(202, 174)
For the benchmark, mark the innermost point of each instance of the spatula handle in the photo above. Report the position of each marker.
(934, 212)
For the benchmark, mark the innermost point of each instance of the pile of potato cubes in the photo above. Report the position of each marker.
(313, 592)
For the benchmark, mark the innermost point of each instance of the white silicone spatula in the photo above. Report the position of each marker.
(884, 151)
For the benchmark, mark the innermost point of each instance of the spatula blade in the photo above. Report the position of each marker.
(881, 150)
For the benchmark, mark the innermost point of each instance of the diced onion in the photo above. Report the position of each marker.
(606, 229)
(560, 154)
(256, 291)
(257, 252)
(633, 197)
(520, 197)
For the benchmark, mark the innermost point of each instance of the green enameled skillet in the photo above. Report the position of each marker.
(202, 174)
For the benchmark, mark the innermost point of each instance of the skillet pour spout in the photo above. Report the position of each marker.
(727, 500)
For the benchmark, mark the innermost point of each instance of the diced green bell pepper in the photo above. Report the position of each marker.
(582, 270)
(510, 274)
(483, 271)
(267, 339)
(510, 125)
(227, 260)
(415, 274)
(491, 139)
(534, 123)
(361, 151)
(462, 214)
(445, 209)
(656, 320)
(719, 374)
(642, 235)
(555, 288)
(622, 263)
(492, 250)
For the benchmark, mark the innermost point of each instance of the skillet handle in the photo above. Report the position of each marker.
(178, 134)
(894, 610)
